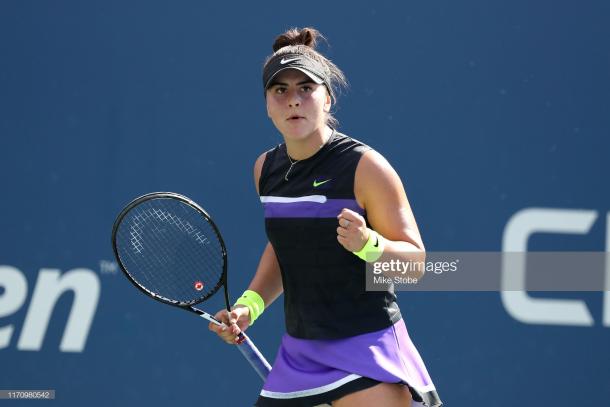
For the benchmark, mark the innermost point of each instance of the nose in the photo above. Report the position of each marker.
(294, 100)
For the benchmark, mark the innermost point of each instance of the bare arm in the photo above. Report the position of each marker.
(267, 282)
(380, 192)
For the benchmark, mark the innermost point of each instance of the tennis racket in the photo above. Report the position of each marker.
(171, 250)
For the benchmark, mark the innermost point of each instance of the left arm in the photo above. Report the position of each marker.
(380, 192)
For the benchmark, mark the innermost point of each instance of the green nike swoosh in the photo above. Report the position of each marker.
(317, 184)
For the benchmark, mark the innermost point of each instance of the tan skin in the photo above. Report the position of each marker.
(299, 108)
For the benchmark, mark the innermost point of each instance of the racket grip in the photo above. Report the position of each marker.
(253, 356)
(245, 346)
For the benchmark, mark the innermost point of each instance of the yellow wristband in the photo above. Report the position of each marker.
(254, 302)
(373, 248)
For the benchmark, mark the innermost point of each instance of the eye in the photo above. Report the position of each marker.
(280, 90)
(306, 88)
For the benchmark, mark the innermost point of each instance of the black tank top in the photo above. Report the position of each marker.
(324, 284)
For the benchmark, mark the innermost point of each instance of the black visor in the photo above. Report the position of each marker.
(310, 67)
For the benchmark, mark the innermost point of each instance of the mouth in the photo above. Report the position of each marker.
(295, 118)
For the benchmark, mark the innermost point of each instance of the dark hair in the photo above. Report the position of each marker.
(304, 41)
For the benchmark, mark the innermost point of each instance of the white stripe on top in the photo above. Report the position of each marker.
(310, 392)
(284, 199)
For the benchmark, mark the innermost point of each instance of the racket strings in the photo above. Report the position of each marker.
(171, 250)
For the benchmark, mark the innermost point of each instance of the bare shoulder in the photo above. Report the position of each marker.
(258, 167)
(381, 193)
(375, 177)
(374, 161)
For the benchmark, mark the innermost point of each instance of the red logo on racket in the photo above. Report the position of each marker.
(198, 285)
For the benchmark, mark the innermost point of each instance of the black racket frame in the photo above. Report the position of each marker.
(172, 195)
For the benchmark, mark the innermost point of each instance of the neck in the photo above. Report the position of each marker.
(308, 146)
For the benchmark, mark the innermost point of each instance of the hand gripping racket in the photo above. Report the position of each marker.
(170, 248)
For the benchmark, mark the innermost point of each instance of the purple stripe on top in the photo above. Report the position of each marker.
(329, 209)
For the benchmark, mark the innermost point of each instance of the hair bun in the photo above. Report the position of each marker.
(306, 36)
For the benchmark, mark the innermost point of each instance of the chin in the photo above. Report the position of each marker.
(298, 133)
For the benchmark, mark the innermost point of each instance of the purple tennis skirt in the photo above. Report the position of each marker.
(311, 372)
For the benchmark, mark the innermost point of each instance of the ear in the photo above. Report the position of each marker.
(327, 103)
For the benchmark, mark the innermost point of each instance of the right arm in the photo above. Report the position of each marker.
(267, 282)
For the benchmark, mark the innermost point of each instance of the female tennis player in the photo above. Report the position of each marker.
(331, 203)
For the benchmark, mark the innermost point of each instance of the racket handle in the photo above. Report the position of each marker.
(253, 356)
(246, 347)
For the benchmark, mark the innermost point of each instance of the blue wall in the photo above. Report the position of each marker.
(485, 108)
